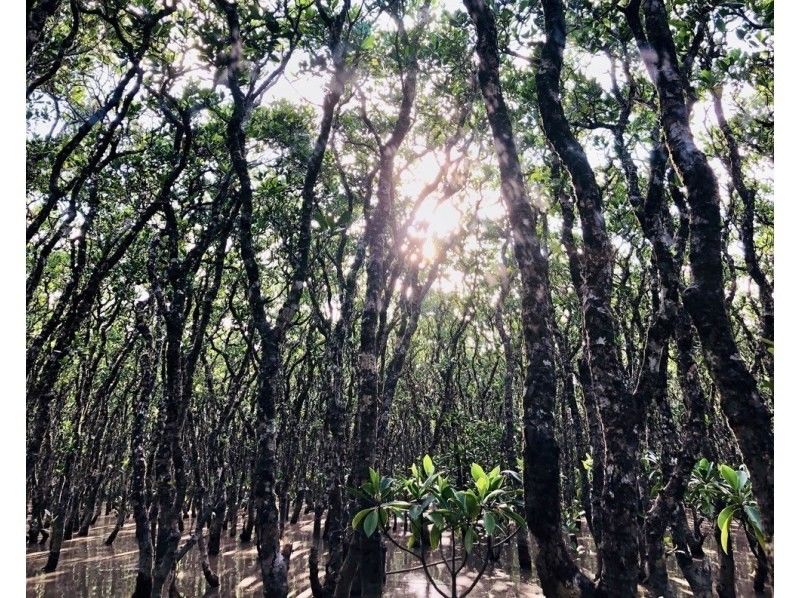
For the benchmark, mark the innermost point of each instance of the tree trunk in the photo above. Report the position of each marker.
(557, 571)
(144, 572)
(620, 414)
(726, 576)
(742, 402)
(690, 556)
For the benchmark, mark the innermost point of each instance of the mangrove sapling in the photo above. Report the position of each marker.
(483, 514)
(723, 495)
(734, 487)
(737, 494)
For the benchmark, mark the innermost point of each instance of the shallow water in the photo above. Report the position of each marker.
(89, 568)
(744, 562)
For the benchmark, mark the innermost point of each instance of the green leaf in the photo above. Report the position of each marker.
(587, 462)
(436, 536)
(724, 523)
(371, 523)
(469, 539)
(730, 475)
(448, 493)
(429, 482)
(360, 517)
(412, 539)
(427, 465)
(723, 536)
(477, 472)
(472, 504)
(482, 485)
(754, 519)
(414, 512)
(489, 523)
(493, 494)
(461, 501)
(515, 517)
(437, 518)
(742, 478)
(375, 478)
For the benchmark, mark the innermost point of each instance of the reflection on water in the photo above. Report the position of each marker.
(89, 568)
(745, 563)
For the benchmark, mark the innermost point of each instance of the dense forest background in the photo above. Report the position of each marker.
(280, 251)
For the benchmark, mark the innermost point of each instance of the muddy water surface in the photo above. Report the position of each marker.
(89, 568)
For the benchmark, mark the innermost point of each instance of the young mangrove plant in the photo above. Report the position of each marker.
(459, 523)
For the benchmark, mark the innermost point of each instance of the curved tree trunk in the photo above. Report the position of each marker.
(742, 402)
(557, 571)
(620, 413)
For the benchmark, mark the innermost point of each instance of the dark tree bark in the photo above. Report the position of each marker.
(376, 237)
(272, 562)
(620, 413)
(122, 515)
(668, 318)
(508, 444)
(36, 15)
(594, 425)
(509, 439)
(742, 402)
(335, 426)
(172, 295)
(144, 571)
(726, 575)
(557, 571)
(581, 445)
(747, 193)
(60, 520)
(690, 556)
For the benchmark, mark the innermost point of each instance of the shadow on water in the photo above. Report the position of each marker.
(89, 568)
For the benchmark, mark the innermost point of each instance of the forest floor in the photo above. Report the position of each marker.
(91, 569)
